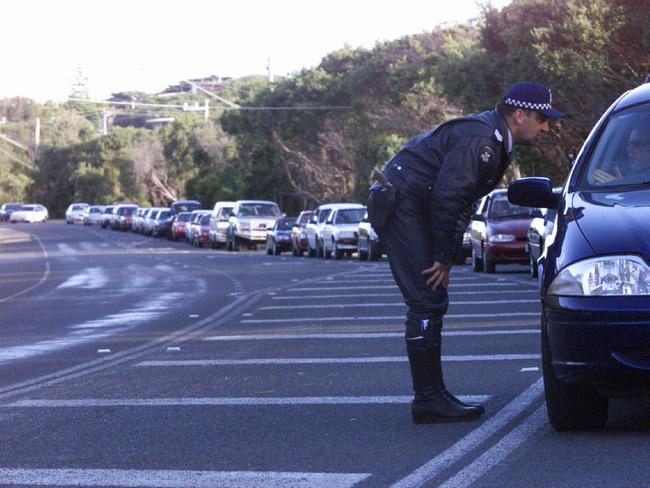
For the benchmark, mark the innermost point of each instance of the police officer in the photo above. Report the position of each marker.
(420, 207)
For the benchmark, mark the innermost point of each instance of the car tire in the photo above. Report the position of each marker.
(361, 254)
(276, 249)
(477, 263)
(373, 253)
(488, 264)
(311, 252)
(269, 251)
(570, 406)
(338, 254)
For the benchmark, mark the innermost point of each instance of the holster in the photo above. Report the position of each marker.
(381, 203)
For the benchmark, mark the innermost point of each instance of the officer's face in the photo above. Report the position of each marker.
(529, 125)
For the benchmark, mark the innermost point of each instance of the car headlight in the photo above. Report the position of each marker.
(501, 238)
(607, 275)
(244, 226)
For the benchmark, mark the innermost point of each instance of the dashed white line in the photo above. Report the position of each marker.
(393, 304)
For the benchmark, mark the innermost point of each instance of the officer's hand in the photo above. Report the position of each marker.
(439, 275)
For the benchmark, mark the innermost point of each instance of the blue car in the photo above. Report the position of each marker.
(594, 271)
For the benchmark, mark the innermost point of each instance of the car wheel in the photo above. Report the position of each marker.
(276, 249)
(477, 263)
(533, 266)
(373, 254)
(312, 253)
(338, 254)
(570, 406)
(488, 264)
(361, 254)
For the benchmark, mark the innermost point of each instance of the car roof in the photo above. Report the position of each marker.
(240, 202)
(639, 94)
(340, 205)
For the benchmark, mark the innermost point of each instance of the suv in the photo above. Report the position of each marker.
(249, 222)
(219, 223)
(339, 235)
(75, 212)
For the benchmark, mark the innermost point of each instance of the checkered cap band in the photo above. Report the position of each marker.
(532, 106)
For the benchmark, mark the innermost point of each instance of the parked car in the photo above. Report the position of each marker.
(249, 222)
(368, 245)
(538, 229)
(30, 213)
(180, 226)
(138, 219)
(161, 223)
(594, 273)
(92, 215)
(148, 218)
(219, 223)
(106, 220)
(339, 235)
(314, 226)
(498, 232)
(184, 206)
(6, 209)
(194, 225)
(299, 233)
(278, 238)
(123, 216)
(75, 213)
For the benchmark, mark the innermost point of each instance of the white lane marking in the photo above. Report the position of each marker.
(527, 370)
(394, 304)
(371, 295)
(46, 274)
(370, 335)
(471, 441)
(472, 472)
(224, 402)
(66, 249)
(376, 287)
(173, 349)
(88, 279)
(193, 315)
(95, 329)
(103, 351)
(175, 478)
(388, 317)
(359, 360)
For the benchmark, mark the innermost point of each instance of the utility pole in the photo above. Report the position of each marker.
(268, 71)
(206, 111)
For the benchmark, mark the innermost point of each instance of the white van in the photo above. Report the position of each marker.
(219, 223)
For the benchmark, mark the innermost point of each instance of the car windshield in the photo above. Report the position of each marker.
(205, 220)
(184, 217)
(501, 208)
(286, 224)
(304, 218)
(259, 210)
(11, 207)
(350, 216)
(79, 207)
(185, 206)
(621, 154)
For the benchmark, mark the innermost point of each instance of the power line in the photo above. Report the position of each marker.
(16, 160)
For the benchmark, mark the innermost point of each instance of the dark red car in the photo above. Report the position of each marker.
(499, 232)
(299, 243)
(179, 226)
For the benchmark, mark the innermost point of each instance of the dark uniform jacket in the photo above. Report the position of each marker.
(451, 167)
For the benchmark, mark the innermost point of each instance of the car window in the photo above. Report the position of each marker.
(285, 224)
(323, 215)
(350, 216)
(621, 154)
(259, 210)
(27, 208)
(500, 208)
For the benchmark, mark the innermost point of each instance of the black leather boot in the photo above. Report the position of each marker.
(436, 352)
(431, 404)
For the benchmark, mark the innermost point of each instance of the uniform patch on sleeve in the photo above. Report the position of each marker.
(486, 154)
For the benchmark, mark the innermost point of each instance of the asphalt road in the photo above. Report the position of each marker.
(132, 361)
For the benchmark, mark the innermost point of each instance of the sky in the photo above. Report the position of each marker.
(146, 45)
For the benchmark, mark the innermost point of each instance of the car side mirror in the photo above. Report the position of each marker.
(533, 192)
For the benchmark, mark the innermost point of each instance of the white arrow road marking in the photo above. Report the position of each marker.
(89, 279)
(176, 478)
